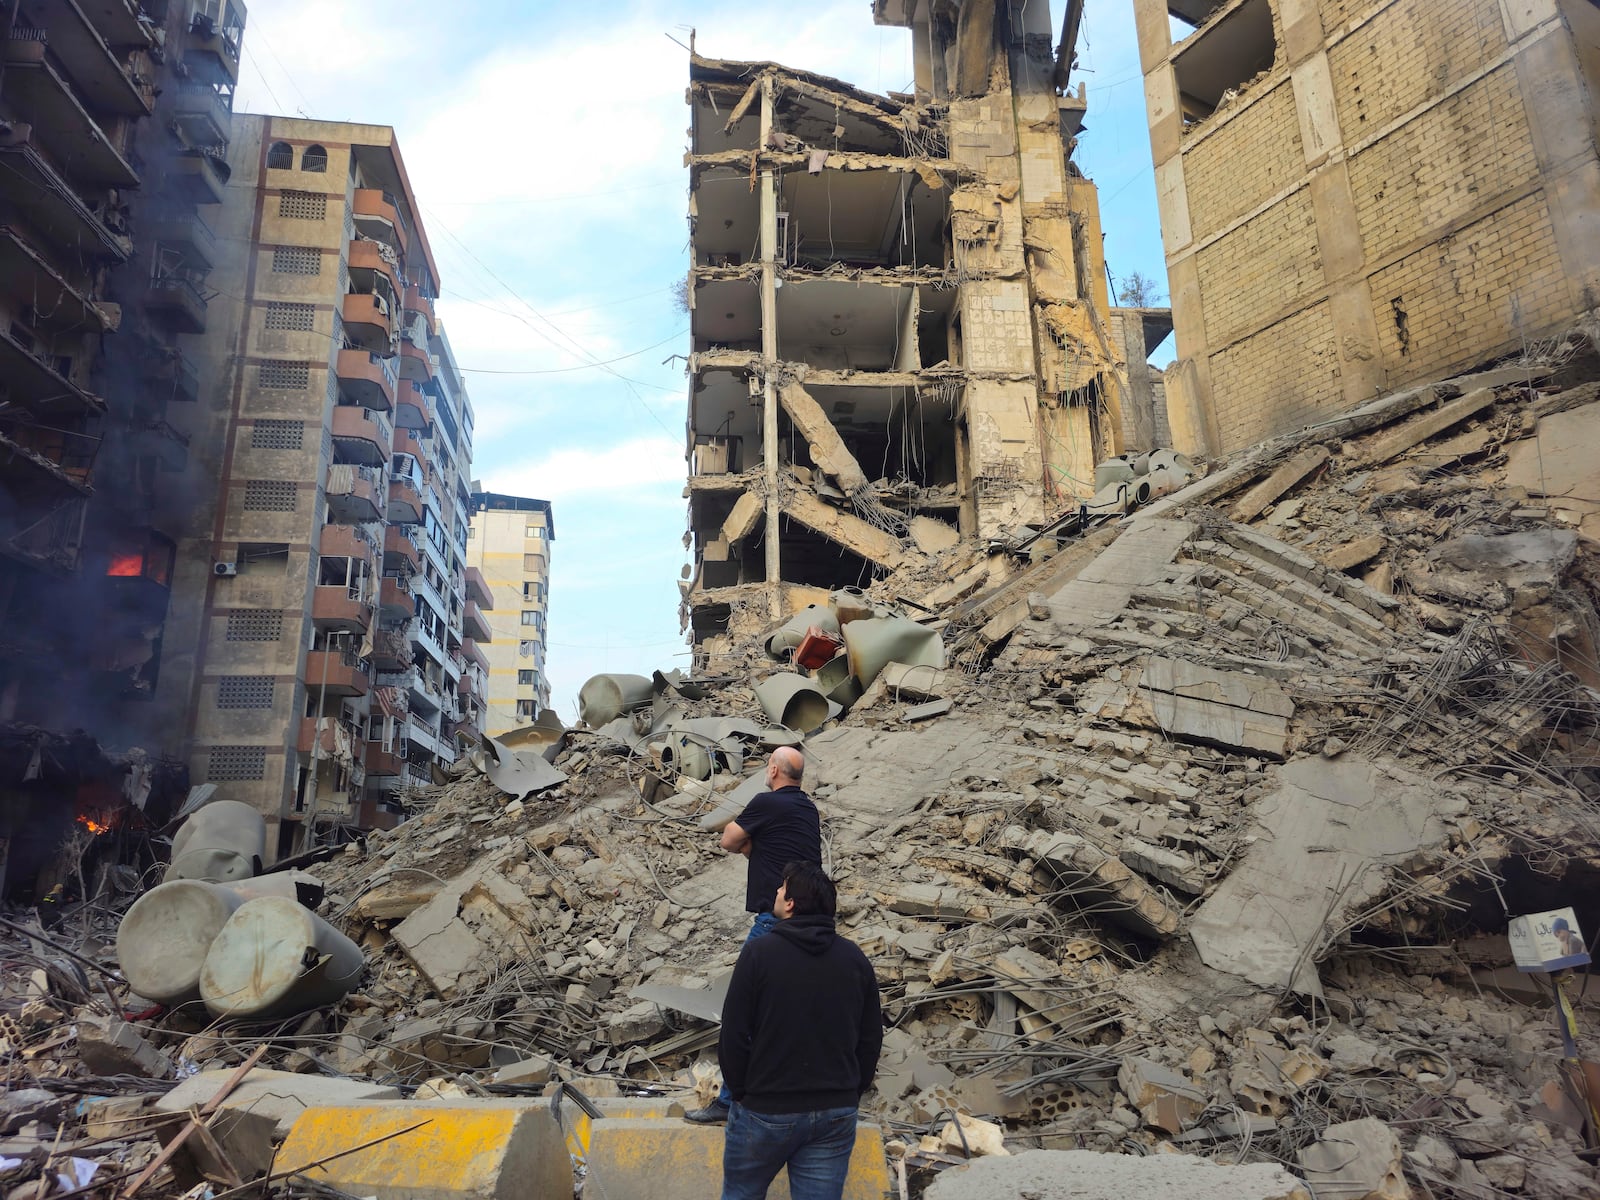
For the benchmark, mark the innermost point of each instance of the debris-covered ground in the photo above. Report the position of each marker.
(1205, 839)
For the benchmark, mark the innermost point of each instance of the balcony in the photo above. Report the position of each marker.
(84, 51)
(475, 625)
(176, 304)
(366, 322)
(393, 599)
(203, 114)
(478, 590)
(354, 494)
(48, 205)
(28, 280)
(399, 548)
(405, 505)
(367, 263)
(413, 406)
(363, 379)
(52, 467)
(416, 364)
(334, 673)
(347, 541)
(201, 178)
(39, 386)
(381, 762)
(335, 609)
(174, 375)
(210, 52)
(391, 649)
(361, 435)
(117, 21)
(405, 442)
(47, 102)
(377, 216)
(418, 305)
(337, 738)
(189, 237)
(469, 647)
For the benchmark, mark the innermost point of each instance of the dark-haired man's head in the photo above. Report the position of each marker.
(806, 891)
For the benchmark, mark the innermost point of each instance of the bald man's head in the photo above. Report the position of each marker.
(787, 765)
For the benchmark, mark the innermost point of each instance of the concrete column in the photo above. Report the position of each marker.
(769, 359)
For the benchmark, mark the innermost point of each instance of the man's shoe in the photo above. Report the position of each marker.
(711, 1114)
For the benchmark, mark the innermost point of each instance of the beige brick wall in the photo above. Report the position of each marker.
(1285, 376)
(1247, 159)
(1481, 288)
(1451, 160)
(1261, 268)
(1409, 52)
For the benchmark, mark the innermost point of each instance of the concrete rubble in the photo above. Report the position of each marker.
(1205, 858)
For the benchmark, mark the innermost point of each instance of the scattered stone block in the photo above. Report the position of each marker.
(108, 1046)
(1356, 1160)
(1167, 1100)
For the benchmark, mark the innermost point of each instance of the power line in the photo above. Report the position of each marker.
(581, 366)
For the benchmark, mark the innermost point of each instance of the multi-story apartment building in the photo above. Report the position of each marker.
(508, 552)
(899, 313)
(329, 646)
(114, 123)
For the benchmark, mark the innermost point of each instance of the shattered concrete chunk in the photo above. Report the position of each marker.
(1360, 1160)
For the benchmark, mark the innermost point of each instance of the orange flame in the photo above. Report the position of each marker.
(93, 826)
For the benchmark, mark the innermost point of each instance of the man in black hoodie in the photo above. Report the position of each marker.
(801, 1031)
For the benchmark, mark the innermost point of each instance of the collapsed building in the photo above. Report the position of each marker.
(901, 328)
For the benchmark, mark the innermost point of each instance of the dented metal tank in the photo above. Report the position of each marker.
(275, 958)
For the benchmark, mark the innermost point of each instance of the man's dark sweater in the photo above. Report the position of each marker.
(801, 1025)
(784, 827)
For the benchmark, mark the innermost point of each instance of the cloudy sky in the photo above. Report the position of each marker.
(546, 149)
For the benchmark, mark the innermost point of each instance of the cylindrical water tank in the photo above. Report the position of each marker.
(163, 939)
(604, 698)
(787, 637)
(275, 958)
(223, 841)
(793, 700)
(875, 643)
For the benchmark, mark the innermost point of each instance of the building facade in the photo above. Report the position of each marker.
(114, 123)
(899, 311)
(508, 553)
(330, 649)
(1358, 194)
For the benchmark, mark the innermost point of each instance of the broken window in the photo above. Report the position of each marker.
(1212, 68)
(280, 157)
(314, 158)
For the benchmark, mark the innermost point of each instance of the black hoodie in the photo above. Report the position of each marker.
(801, 1026)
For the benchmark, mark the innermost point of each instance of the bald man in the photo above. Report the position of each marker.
(778, 827)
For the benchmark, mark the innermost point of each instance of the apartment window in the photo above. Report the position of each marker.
(296, 260)
(535, 531)
(525, 710)
(530, 616)
(271, 495)
(303, 206)
(246, 691)
(236, 762)
(280, 157)
(284, 374)
(284, 315)
(255, 625)
(527, 678)
(268, 434)
(532, 564)
(314, 158)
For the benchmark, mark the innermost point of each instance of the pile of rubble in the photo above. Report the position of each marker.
(1197, 829)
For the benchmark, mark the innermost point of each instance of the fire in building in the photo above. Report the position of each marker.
(234, 444)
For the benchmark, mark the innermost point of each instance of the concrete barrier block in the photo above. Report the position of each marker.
(670, 1159)
(485, 1150)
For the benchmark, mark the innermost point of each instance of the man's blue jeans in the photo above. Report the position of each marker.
(815, 1146)
(761, 925)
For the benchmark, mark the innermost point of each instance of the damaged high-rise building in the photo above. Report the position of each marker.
(115, 118)
(1359, 194)
(901, 328)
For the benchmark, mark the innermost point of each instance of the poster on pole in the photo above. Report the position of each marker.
(1547, 941)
